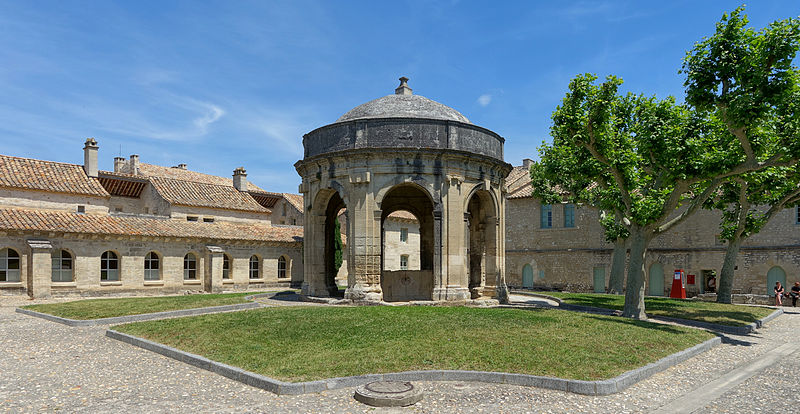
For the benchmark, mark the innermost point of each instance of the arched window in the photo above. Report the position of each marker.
(109, 267)
(152, 266)
(255, 268)
(281, 267)
(189, 267)
(226, 266)
(9, 265)
(62, 266)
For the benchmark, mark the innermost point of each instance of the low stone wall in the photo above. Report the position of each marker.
(745, 299)
(407, 285)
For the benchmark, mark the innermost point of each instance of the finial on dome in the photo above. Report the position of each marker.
(403, 89)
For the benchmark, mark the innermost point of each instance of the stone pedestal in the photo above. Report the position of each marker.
(39, 268)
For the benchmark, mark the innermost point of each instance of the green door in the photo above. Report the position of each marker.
(776, 274)
(656, 280)
(527, 276)
(599, 279)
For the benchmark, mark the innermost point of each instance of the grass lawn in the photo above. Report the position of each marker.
(305, 343)
(711, 312)
(107, 308)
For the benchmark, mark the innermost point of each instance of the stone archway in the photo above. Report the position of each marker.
(405, 285)
(319, 269)
(482, 233)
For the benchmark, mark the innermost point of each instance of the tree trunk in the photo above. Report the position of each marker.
(616, 282)
(725, 283)
(634, 292)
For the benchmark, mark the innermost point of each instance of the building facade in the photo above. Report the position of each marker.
(563, 247)
(68, 229)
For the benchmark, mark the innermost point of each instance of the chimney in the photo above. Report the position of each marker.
(526, 162)
(403, 89)
(90, 157)
(240, 179)
(134, 165)
(119, 164)
(181, 166)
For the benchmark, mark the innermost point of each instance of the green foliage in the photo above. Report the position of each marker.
(337, 244)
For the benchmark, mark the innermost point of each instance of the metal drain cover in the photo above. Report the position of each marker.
(388, 394)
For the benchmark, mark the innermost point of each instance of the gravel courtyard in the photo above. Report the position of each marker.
(47, 367)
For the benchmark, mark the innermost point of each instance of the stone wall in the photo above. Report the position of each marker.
(566, 258)
(42, 200)
(87, 251)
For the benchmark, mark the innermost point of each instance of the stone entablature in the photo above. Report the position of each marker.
(394, 133)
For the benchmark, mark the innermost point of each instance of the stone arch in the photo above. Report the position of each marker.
(421, 183)
(409, 285)
(483, 233)
(527, 275)
(321, 275)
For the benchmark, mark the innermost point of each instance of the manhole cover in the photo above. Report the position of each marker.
(388, 394)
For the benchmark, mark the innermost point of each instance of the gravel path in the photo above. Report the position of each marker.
(47, 367)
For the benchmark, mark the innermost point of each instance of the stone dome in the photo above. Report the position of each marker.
(403, 104)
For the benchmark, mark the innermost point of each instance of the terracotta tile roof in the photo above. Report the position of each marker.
(519, 183)
(188, 175)
(31, 174)
(266, 198)
(198, 194)
(52, 221)
(403, 215)
(296, 200)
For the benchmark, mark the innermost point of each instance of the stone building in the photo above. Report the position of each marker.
(563, 247)
(68, 229)
(405, 152)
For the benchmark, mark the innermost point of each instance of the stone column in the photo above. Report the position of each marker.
(364, 230)
(212, 280)
(39, 268)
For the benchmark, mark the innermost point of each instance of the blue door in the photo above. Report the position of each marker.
(776, 274)
(656, 280)
(599, 279)
(527, 276)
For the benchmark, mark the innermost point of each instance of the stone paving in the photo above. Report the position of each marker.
(47, 367)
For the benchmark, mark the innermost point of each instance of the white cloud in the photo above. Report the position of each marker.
(484, 99)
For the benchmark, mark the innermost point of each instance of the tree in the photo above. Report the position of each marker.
(746, 79)
(657, 162)
(337, 245)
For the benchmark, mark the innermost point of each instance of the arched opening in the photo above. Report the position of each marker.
(152, 266)
(323, 230)
(226, 266)
(408, 273)
(656, 280)
(481, 221)
(775, 274)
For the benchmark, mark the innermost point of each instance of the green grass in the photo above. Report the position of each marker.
(107, 308)
(305, 343)
(711, 312)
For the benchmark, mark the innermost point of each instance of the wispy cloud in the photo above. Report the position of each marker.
(485, 99)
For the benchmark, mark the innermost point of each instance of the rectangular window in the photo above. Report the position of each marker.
(546, 219)
(81, 209)
(404, 262)
(569, 215)
(191, 218)
(404, 235)
(797, 215)
(208, 219)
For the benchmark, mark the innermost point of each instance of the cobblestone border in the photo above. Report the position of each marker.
(733, 330)
(149, 316)
(604, 387)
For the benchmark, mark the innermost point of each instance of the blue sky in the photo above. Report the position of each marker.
(219, 85)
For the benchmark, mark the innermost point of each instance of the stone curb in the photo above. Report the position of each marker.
(603, 387)
(140, 317)
(733, 330)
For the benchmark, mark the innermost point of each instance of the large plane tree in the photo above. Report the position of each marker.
(656, 162)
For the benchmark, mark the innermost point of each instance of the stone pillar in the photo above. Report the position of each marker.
(39, 269)
(364, 240)
(212, 280)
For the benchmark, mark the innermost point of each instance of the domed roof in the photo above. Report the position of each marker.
(403, 105)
